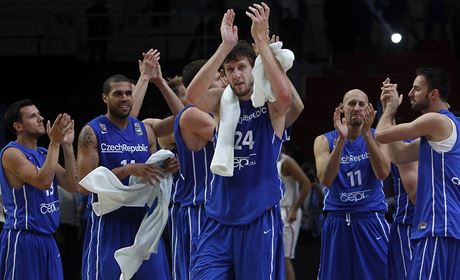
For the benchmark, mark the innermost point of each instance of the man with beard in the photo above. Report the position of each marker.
(436, 221)
(352, 165)
(243, 208)
(122, 144)
(29, 178)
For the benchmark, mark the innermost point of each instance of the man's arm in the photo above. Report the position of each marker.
(291, 168)
(20, 170)
(279, 82)
(327, 162)
(409, 174)
(87, 155)
(199, 123)
(379, 160)
(173, 101)
(67, 178)
(146, 68)
(198, 92)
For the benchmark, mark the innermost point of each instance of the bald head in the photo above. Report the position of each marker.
(353, 94)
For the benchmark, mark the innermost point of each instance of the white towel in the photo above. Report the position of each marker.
(262, 89)
(222, 162)
(112, 194)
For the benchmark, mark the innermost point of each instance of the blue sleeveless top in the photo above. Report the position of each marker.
(255, 186)
(404, 211)
(194, 168)
(437, 210)
(355, 189)
(118, 147)
(30, 208)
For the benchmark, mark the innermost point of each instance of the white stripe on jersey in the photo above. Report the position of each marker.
(15, 208)
(90, 239)
(409, 241)
(272, 245)
(194, 178)
(97, 246)
(190, 232)
(26, 208)
(399, 196)
(432, 192)
(444, 192)
(206, 165)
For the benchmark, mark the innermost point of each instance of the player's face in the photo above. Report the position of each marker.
(119, 100)
(32, 122)
(419, 94)
(353, 106)
(239, 76)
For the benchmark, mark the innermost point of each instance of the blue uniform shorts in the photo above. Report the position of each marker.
(436, 258)
(251, 251)
(354, 246)
(400, 251)
(28, 255)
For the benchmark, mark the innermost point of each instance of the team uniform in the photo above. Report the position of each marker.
(117, 229)
(436, 226)
(174, 235)
(242, 238)
(191, 193)
(355, 232)
(28, 249)
(400, 247)
(291, 194)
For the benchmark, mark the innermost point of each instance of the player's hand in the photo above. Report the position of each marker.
(58, 130)
(171, 165)
(259, 14)
(340, 123)
(368, 115)
(228, 31)
(148, 172)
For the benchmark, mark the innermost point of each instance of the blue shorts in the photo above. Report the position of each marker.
(400, 251)
(252, 251)
(28, 255)
(173, 227)
(110, 232)
(436, 258)
(190, 220)
(354, 246)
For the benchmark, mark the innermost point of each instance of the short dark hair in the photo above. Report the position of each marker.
(240, 50)
(437, 79)
(117, 78)
(13, 114)
(190, 70)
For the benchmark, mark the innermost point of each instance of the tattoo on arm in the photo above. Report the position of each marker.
(85, 139)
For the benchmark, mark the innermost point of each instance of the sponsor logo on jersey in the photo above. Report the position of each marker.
(354, 196)
(48, 208)
(422, 225)
(138, 129)
(242, 162)
(352, 158)
(254, 115)
(103, 128)
(121, 148)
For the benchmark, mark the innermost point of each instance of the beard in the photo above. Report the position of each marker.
(420, 106)
(119, 113)
(246, 91)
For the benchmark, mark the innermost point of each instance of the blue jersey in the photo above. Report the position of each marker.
(437, 211)
(404, 211)
(117, 229)
(30, 208)
(194, 167)
(255, 186)
(355, 188)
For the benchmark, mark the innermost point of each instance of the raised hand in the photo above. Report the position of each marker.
(69, 133)
(259, 15)
(148, 65)
(368, 114)
(58, 130)
(389, 97)
(340, 124)
(228, 31)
